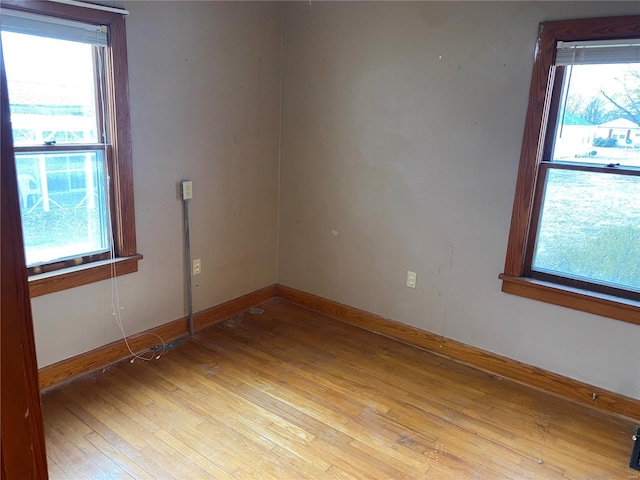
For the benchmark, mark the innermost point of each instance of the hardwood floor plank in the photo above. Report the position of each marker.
(109, 441)
(285, 369)
(74, 432)
(55, 472)
(295, 394)
(365, 438)
(67, 456)
(242, 430)
(361, 431)
(116, 453)
(257, 418)
(162, 406)
(211, 468)
(307, 469)
(368, 439)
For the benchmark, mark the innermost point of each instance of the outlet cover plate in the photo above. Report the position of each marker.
(411, 279)
(187, 190)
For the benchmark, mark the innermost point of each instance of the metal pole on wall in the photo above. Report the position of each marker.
(187, 194)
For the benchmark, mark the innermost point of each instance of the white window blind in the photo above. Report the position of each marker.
(93, 6)
(52, 27)
(598, 51)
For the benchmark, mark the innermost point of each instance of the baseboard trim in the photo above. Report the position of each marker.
(102, 357)
(608, 402)
(568, 388)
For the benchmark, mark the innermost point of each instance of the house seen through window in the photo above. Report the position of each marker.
(589, 225)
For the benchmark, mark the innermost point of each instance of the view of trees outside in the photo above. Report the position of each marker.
(52, 91)
(590, 224)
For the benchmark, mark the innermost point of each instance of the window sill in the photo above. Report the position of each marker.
(67, 278)
(583, 300)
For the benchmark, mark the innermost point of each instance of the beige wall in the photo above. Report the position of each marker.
(402, 125)
(205, 105)
(401, 131)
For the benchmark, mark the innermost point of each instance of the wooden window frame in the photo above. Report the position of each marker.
(517, 278)
(120, 167)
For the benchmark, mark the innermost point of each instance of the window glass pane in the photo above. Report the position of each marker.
(590, 228)
(51, 90)
(63, 204)
(599, 115)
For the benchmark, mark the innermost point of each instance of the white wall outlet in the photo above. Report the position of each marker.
(187, 190)
(411, 279)
(197, 267)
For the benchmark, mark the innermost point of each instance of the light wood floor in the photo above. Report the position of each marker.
(293, 394)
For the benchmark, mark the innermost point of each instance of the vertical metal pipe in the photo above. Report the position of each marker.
(187, 254)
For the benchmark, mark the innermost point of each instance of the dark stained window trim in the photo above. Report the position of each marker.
(120, 169)
(516, 278)
(72, 277)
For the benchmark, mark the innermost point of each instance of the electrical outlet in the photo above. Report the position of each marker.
(411, 279)
(187, 190)
(197, 267)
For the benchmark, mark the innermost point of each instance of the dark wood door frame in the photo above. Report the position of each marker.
(22, 440)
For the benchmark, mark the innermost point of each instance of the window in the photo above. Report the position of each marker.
(67, 80)
(575, 228)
